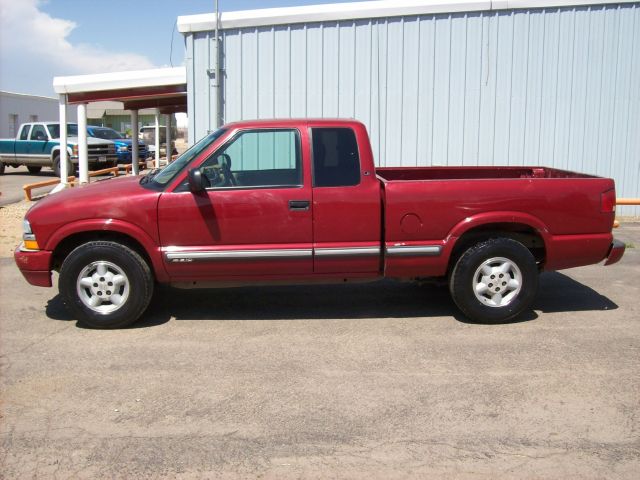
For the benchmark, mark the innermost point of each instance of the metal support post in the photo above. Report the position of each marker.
(168, 131)
(135, 162)
(64, 154)
(83, 150)
(157, 135)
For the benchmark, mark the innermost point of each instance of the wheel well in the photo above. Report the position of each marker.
(66, 246)
(526, 235)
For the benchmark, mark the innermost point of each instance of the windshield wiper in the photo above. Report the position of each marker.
(149, 176)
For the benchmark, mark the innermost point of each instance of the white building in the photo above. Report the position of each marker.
(17, 108)
(457, 82)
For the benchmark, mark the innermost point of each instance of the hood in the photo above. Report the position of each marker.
(114, 189)
(121, 198)
(126, 141)
(122, 142)
(90, 141)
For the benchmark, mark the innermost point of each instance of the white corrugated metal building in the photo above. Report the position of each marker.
(475, 82)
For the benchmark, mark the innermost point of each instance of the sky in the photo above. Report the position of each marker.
(40, 39)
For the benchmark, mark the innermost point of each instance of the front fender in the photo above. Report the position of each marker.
(56, 149)
(111, 225)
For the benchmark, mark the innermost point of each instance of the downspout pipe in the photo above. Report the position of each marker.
(216, 71)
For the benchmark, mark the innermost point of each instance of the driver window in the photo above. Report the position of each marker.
(38, 133)
(257, 158)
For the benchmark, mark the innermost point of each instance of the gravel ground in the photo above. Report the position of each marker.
(11, 226)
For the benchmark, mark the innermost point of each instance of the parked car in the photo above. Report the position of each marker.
(300, 201)
(147, 134)
(37, 145)
(123, 144)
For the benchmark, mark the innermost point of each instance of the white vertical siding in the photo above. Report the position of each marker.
(557, 87)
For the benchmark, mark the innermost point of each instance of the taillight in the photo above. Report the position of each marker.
(608, 201)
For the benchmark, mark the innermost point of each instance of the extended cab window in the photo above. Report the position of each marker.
(38, 133)
(257, 158)
(24, 133)
(335, 157)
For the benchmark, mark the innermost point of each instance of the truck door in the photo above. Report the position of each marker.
(346, 203)
(22, 143)
(36, 146)
(255, 219)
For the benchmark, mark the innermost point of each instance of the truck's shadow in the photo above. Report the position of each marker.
(558, 293)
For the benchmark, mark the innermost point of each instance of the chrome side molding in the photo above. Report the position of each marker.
(187, 257)
(414, 250)
(347, 252)
(181, 256)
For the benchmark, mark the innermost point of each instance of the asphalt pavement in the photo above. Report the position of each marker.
(381, 380)
(14, 178)
(12, 181)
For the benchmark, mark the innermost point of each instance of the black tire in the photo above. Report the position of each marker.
(135, 293)
(520, 265)
(34, 170)
(56, 166)
(2, 167)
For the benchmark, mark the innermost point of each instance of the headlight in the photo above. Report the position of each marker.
(123, 148)
(28, 237)
(26, 227)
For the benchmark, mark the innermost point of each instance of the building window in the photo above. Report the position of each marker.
(13, 124)
(33, 118)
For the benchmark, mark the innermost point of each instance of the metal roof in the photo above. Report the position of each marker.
(156, 77)
(357, 10)
(163, 88)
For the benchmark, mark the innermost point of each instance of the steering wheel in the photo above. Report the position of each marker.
(224, 161)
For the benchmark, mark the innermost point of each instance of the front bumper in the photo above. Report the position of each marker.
(615, 252)
(125, 157)
(35, 265)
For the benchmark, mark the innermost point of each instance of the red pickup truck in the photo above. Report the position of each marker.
(300, 201)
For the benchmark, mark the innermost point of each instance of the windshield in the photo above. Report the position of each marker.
(106, 133)
(54, 130)
(164, 176)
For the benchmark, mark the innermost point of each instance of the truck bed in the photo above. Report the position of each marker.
(435, 205)
(472, 173)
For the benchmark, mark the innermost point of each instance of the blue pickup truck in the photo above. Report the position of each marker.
(38, 145)
(123, 145)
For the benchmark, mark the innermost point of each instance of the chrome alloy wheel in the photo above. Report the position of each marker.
(103, 287)
(497, 282)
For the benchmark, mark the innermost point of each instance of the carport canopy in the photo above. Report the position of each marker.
(163, 89)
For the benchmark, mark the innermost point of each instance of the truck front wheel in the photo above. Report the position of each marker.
(494, 281)
(105, 284)
(56, 166)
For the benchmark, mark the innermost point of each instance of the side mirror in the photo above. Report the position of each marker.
(197, 181)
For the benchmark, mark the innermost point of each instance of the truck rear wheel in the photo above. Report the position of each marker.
(494, 281)
(105, 284)
(2, 167)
